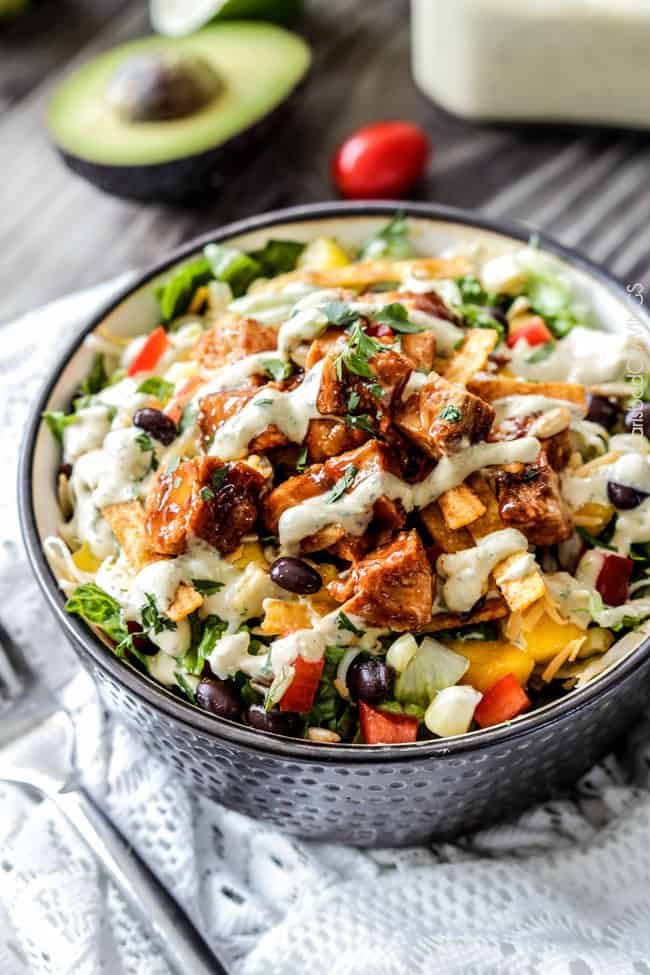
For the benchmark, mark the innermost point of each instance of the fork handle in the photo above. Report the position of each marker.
(183, 944)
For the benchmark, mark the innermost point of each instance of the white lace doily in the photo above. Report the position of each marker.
(565, 889)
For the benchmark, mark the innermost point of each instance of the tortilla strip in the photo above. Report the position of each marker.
(494, 609)
(499, 387)
(443, 536)
(473, 355)
(460, 507)
(519, 593)
(369, 272)
(491, 520)
(186, 600)
(127, 521)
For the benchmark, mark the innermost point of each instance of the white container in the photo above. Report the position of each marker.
(545, 60)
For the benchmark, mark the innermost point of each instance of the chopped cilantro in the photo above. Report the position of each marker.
(338, 313)
(353, 400)
(360, 421)
(219, 476)
(360, 348)
(531, 474)
(301, 460)
(343, 483)
(262, 402)
(450, 413)
(207, 587)
(152, 619)
(277, 369)
(396, 317)
(155, 386)
(344, 622)
(144, 442)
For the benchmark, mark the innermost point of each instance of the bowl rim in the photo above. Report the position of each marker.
(192, 718)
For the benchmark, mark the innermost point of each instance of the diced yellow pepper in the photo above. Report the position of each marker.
(248, 552)
(547, 638)
(490, 660)
(321, 601)
(594, 517)
(323, 254)
(84, 559)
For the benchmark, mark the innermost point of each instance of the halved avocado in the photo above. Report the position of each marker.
(170, 118)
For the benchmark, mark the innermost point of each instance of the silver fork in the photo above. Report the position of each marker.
(31, 714)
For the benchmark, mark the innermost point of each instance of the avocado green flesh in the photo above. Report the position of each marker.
(259, 64)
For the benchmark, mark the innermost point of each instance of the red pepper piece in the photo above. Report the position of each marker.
(503, 701)
(535, 331)
(150, 353)
(613, 582)
(299, 695)
(382, 728)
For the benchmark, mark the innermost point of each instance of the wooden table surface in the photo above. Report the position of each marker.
(589, 187)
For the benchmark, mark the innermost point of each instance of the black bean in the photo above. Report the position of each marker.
(278, 722)
(624, 497)
(601, 410)
(497, 314)
(220, 697)
(157, 424)
(65, 469)
(637, 420)
(295, 575)
(370, 679)
(141, 642)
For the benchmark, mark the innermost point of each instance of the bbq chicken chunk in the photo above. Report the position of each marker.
(343, 473)
(392, 587)
(232, 338)
(329, 438)
(430, 302)
(216, 408)
(443, 417)
(344, 392)
(530, 500)
(204, 497)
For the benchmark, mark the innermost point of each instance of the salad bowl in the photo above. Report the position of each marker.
(383, 794)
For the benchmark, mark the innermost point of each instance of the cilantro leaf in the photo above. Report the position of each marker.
(343, 483)
(450, 413)
(152, 618)
(344, 622)
(360, 421)
(205, 634)
(353, 400)
(58, 421)
(360, 348)
(301, 461)
(338, 313)
(144, 442)
(207, 587)
(277, 369)
(391, 240)
(219, 476)
(96, 607)
(396, 317)
(155, 386)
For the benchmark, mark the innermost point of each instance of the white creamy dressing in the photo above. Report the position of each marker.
(87, 432)
(415, 383)
(581, 603)
(447, 334)
(272, 307)
(631, 468)
(583, 356)
(353, 510)
(311, 643)
(511, 407)
(466, 573)
(290, 412)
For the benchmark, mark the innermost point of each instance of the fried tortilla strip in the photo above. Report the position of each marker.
(460, 507)
(186, 600)
(519, 593)
(281, 617)
(498, 387)
(366, 273)
(490, 521)
(127, 521)
(473, 355)
(443, 536)
(495, 608)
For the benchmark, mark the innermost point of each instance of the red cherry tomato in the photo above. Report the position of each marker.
(381, 160)
(534, 330)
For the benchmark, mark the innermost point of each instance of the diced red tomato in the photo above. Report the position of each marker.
(613, 582)
(179, 401)
(150, 353)
(382, 728)
(383, 159)
(503, 701)
(380, 330)
(299, 695)
(534, 330)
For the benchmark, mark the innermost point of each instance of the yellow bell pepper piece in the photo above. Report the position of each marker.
(323, 254)
(84, 559)
(490, 660)
(594, 517)
(321, 601)
(248, 552)
(547, 638)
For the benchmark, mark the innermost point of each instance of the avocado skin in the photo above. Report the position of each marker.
(189, 179)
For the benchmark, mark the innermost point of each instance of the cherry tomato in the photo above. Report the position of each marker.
(381, 160)
(534, 330)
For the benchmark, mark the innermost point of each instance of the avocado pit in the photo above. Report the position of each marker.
(157, 86)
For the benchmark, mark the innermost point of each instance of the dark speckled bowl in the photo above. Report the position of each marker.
(387, 794)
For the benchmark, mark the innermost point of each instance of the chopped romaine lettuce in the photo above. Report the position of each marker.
(278, 256)
(176, 292)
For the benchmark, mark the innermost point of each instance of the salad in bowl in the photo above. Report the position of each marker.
(366, 495)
